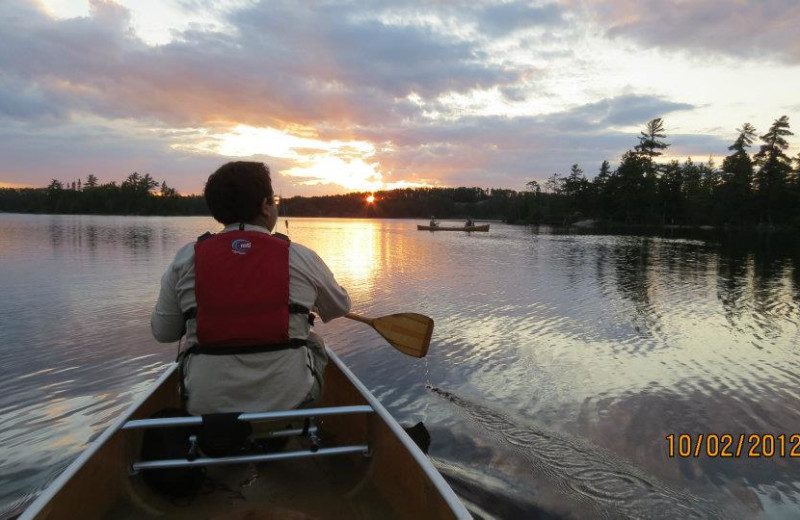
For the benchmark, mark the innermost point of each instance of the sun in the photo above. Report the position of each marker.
(370, 198)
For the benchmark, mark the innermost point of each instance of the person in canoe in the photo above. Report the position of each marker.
(433, 222)
(243, 298)
(469, 222)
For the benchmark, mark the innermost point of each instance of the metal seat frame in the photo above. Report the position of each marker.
(309, 414)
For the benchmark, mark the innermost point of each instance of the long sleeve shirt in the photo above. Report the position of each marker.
(248, 382)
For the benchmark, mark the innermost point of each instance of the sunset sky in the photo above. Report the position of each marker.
(337, 96)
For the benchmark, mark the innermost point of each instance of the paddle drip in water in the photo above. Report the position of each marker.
(428, 386)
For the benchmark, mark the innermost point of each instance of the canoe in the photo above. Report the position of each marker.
(484, 227)
(367, 467)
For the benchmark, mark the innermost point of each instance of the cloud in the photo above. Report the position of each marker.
(450, 92)
(72, 150)
(625, 110)
(508, 152)
(751, 29)
(500, 19)
(24, 100)
(285, 62)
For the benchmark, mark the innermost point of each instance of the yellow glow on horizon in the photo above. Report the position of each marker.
(245, 141)
(14, 185)
(354, 174)
(311, 160)
(370, 198)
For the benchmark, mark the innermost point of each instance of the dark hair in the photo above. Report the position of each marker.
(235, 191)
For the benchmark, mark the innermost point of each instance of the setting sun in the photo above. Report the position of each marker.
(370, 199)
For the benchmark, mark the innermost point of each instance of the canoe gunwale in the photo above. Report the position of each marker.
(94, 446)
(469, 229)
(436, 478)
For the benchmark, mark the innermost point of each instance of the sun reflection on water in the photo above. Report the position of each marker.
(352, 250)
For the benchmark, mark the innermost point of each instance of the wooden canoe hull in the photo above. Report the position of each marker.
(396, 481)
(484, 227)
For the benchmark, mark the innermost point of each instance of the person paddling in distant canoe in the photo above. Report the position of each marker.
(469, 222)
(434, 222)
(243, 298)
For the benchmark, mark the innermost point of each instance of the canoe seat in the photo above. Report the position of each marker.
(308, 415)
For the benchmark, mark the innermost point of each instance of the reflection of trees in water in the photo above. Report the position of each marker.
(796, 277)
(757, 279)
(733, 273)
(631, 265)
(632, 270)
(137, 237)
(56, 233)
(572, 255)
(71, 232)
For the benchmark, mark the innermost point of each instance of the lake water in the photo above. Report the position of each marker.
(559, 362)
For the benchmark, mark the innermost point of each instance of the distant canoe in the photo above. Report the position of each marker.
(484, 227)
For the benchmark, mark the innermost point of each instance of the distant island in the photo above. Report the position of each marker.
(746, 191)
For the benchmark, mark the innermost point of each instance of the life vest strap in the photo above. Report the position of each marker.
(294, 308)
(245, 349)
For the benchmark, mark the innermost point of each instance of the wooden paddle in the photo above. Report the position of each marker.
(408, 332)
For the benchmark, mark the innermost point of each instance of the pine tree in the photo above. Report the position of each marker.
(737, 177)
(774, 169)
(651, 142)
(554, 183)
(148, 183)
(604, 173)
(670, 192)
(166, 191)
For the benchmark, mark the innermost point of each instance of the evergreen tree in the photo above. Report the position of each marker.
(670, 193)
(632, 189)
(601, 202)
(774, 169)
(533, 186)
(132, 181)
(651, 143)
(576, 188)
(694, 195)
(166, 191)
(553, 184)
(148, 183)
(737, 177)
(604, 173)
(91, 181)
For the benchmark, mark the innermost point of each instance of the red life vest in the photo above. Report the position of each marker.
(242, 290)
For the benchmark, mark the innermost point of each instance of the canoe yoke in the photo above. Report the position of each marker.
(310, 429)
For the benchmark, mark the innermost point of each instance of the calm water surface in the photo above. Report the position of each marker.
(558, 365)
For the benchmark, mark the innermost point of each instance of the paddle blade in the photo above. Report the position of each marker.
(408, 332)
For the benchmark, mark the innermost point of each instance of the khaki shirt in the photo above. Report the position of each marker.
(248, 382)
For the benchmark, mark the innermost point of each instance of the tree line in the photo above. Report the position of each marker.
(762, 189)
(745, 190)
(136, 195)
(142, 195)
